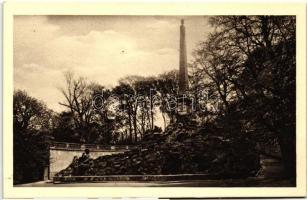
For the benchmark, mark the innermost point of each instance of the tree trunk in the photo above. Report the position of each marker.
(130, 124)
(164, 122)
(143, 123)
(135, 128)
(151, 113)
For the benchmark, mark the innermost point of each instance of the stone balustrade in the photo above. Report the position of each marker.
(61, 154)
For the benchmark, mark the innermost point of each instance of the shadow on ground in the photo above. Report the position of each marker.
(249, 182)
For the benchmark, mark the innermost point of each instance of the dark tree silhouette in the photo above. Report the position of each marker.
(250, 60)
(31, 125)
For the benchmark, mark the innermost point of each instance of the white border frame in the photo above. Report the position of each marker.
(11, 9)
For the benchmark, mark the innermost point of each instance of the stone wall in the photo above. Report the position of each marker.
(61, 154)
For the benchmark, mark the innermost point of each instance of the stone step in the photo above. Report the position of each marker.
(271, 168)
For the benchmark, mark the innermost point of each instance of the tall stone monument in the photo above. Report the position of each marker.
(183, 72)
(183, 108)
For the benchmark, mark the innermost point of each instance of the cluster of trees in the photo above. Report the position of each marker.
(32, 122)
(121, 115)
(246, 66)
(93, 114)
(249, 63)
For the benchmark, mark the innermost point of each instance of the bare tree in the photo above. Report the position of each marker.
(78, 99)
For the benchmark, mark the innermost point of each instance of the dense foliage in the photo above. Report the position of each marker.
(250, 64)
(32, 125)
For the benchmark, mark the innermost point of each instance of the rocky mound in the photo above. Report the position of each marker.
(178, 150)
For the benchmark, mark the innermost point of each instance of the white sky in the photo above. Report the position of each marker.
(101, 48)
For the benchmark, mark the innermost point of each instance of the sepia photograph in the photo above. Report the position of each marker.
(146, 103)
(154, 101)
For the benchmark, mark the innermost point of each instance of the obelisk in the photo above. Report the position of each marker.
(183, 72)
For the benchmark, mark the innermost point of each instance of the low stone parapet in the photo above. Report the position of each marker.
(61, 154)
(173, 177)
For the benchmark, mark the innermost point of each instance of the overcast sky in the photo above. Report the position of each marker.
(101, 48)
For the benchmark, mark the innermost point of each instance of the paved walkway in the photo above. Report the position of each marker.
(250, 182)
